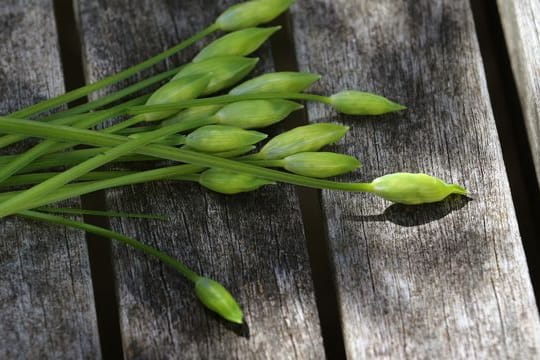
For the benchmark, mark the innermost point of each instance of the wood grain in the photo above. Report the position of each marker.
(46, 298)
(522, 32)
(253, 243)
(446, 280)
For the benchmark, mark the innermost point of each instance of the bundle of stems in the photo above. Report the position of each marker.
(209, 137)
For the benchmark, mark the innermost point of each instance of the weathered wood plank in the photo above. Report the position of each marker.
(522, 32)
(447, 280)
(253, 244)
(46, 298)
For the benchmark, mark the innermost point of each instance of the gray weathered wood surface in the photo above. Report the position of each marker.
(46, 298)
(521, 25)
(253, 243)
(447, 280)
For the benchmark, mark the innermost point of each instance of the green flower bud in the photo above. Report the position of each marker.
(363, 103)
(194, 113)
(228, 182)
(251, 13)
(217, 138)
(320, 164)
(218, 299)
(302, 139)
(276, 82)
(255, 113)
(184, 88)
(412, 189)
(238, 43)
(224, 71)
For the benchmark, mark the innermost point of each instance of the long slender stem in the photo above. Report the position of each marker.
(31, 179)
(172, 262)
(85, 90)
(226, 99)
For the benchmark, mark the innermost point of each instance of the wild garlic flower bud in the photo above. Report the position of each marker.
(194, 113)
(218, 299)
(238, 43)
(251, 114)
(412, 189)
(228, 182)
(251, 13)
(219, 138)
(224, 71)
(184, 88)
(276, 82)
(302, 139)
(363, 103)
(320, 164)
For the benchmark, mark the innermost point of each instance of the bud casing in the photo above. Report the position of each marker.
(251, 114)
(363, 103)
(228, 182)
(320, 164)
(306, 138)
(194, 113)
(218, 138)
(413, 189)
(238, 43)
(286, 81)
(218, 299)
(251, 13)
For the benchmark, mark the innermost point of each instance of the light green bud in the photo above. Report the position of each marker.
(276, 82)
(184, 88)
(363, 103)
(320, 164)
(251, 114)
(194, 113)
(218, 299)
(251, 13)
(238, 43)
(228, 182)
(224, 71)
(302, 139)
(412, 189)
(217, 138)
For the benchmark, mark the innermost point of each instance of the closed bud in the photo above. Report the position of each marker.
(218, 299)
(224, 71)
(184, 88)
(302, 139)
(217, 138)
(228, 182)
(276, 82)
(363, 103)
(320, 164)
(255, 113)
(412, 189)
(194, 113)
(251, 13)
(238, 43)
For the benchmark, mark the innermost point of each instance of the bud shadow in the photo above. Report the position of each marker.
(414, 215)
(241, 330)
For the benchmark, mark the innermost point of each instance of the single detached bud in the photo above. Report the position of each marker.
(251, 114)
(194, 113)
(363, 103)
(412, 189)
(302, 139)
(218, 299)
(238, 43)
(228, 182)
(217, 138)
(224, 71)
(276, 82)
(183, 88)
(320, 164)
(251, 13)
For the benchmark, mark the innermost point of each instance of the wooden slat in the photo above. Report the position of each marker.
(46, 298)
(253, 243)
(446, 280)
(521, 25)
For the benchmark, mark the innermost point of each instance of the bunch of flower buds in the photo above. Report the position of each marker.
(212, 136)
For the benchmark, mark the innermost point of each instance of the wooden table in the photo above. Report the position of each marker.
(447, 280)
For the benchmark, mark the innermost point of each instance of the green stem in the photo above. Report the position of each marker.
(54, 219)
(109, 214)
(31, 179)
(265, 163)
(226, 99)
(85, 90)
